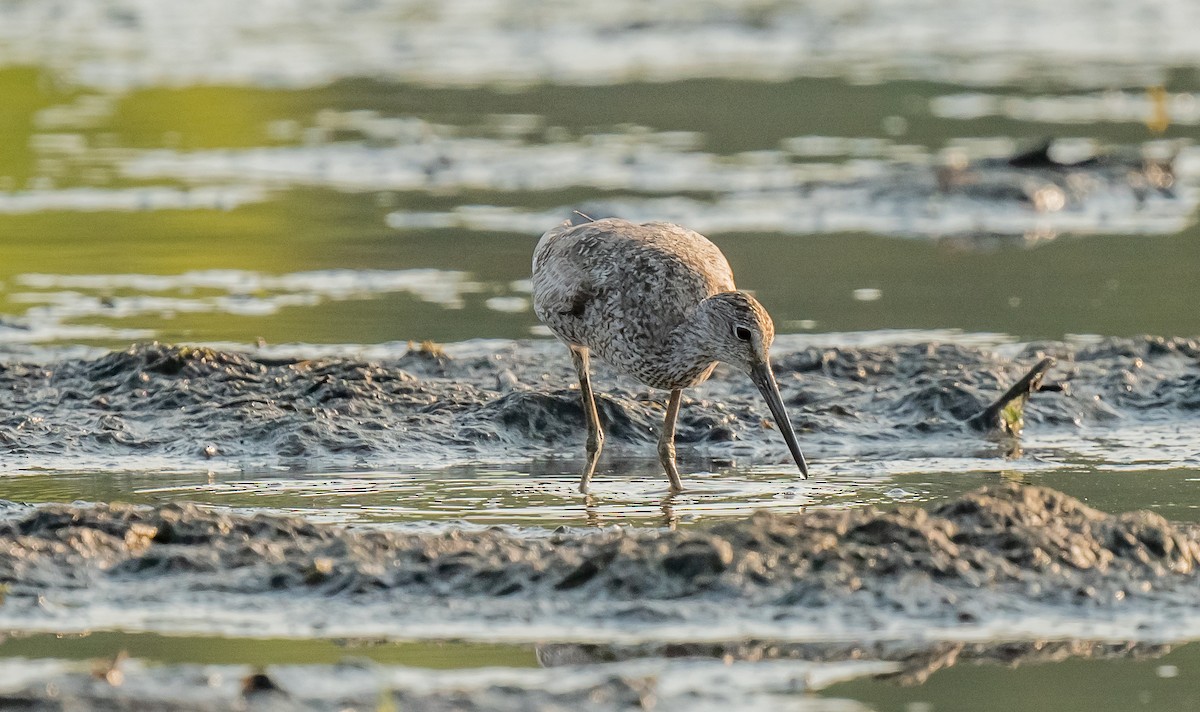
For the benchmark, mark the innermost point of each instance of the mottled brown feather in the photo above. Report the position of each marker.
(621, 289)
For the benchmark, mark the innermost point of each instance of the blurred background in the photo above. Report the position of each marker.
(365, 171)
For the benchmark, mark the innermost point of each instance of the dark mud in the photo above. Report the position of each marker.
(514, 400)
(971, 561)
(1044, 184)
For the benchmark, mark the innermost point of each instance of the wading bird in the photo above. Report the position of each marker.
(657, 302)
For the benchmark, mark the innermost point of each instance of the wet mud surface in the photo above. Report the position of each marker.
(203, 408)
(756, 609)
(977, 560)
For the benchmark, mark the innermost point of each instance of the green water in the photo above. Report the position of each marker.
(1115, 284)
(543, 495)
(1161, 683)
(168, 649)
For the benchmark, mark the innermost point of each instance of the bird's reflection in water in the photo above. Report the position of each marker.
(591, 511)
(670, 518)
(594, 517)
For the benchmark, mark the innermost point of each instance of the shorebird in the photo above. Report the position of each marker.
(657, 302)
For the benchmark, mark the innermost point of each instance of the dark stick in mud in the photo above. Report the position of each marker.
(1005, 414)
(657, 302)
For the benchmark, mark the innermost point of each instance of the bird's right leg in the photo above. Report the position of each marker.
(595, 435)
(666, 441)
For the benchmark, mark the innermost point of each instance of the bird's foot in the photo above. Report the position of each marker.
(666, 455)
(593, 457)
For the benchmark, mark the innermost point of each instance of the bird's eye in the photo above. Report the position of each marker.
(742, 333)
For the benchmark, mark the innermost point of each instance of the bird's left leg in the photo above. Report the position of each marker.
(595, 434)
(666, 441)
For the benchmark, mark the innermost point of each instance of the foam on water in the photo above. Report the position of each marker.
(879, 187)
(61, 301)
(223, 197)
(837, 209)
(874, 185)
(119, 44)
(631, 161)
(1099, 107)
(15, 335)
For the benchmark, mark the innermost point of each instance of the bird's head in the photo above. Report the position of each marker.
(739, 331)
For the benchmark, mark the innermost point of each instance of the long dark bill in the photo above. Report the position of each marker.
(765, 380)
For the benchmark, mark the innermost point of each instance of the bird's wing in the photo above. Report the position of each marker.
(623, 268)
(563, 284)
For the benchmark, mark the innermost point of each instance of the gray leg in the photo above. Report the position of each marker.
(666, 441)
(595, 436)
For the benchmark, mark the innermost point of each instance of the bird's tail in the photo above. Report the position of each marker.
(578, 217)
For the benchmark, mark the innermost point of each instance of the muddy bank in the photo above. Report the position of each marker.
(1002, 551)
(685, 677)
(512, 400)
(45, 686)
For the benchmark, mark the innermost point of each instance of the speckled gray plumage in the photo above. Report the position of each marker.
(626, 291)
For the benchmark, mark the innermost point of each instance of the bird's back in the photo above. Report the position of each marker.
(620, 288)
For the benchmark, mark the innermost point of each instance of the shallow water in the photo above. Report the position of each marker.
(242, 225)
(339, 179)
(543, 495)
(1165, 682)
(169, 649)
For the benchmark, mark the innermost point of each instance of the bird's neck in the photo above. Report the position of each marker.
(689, 351)
(689, 343)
